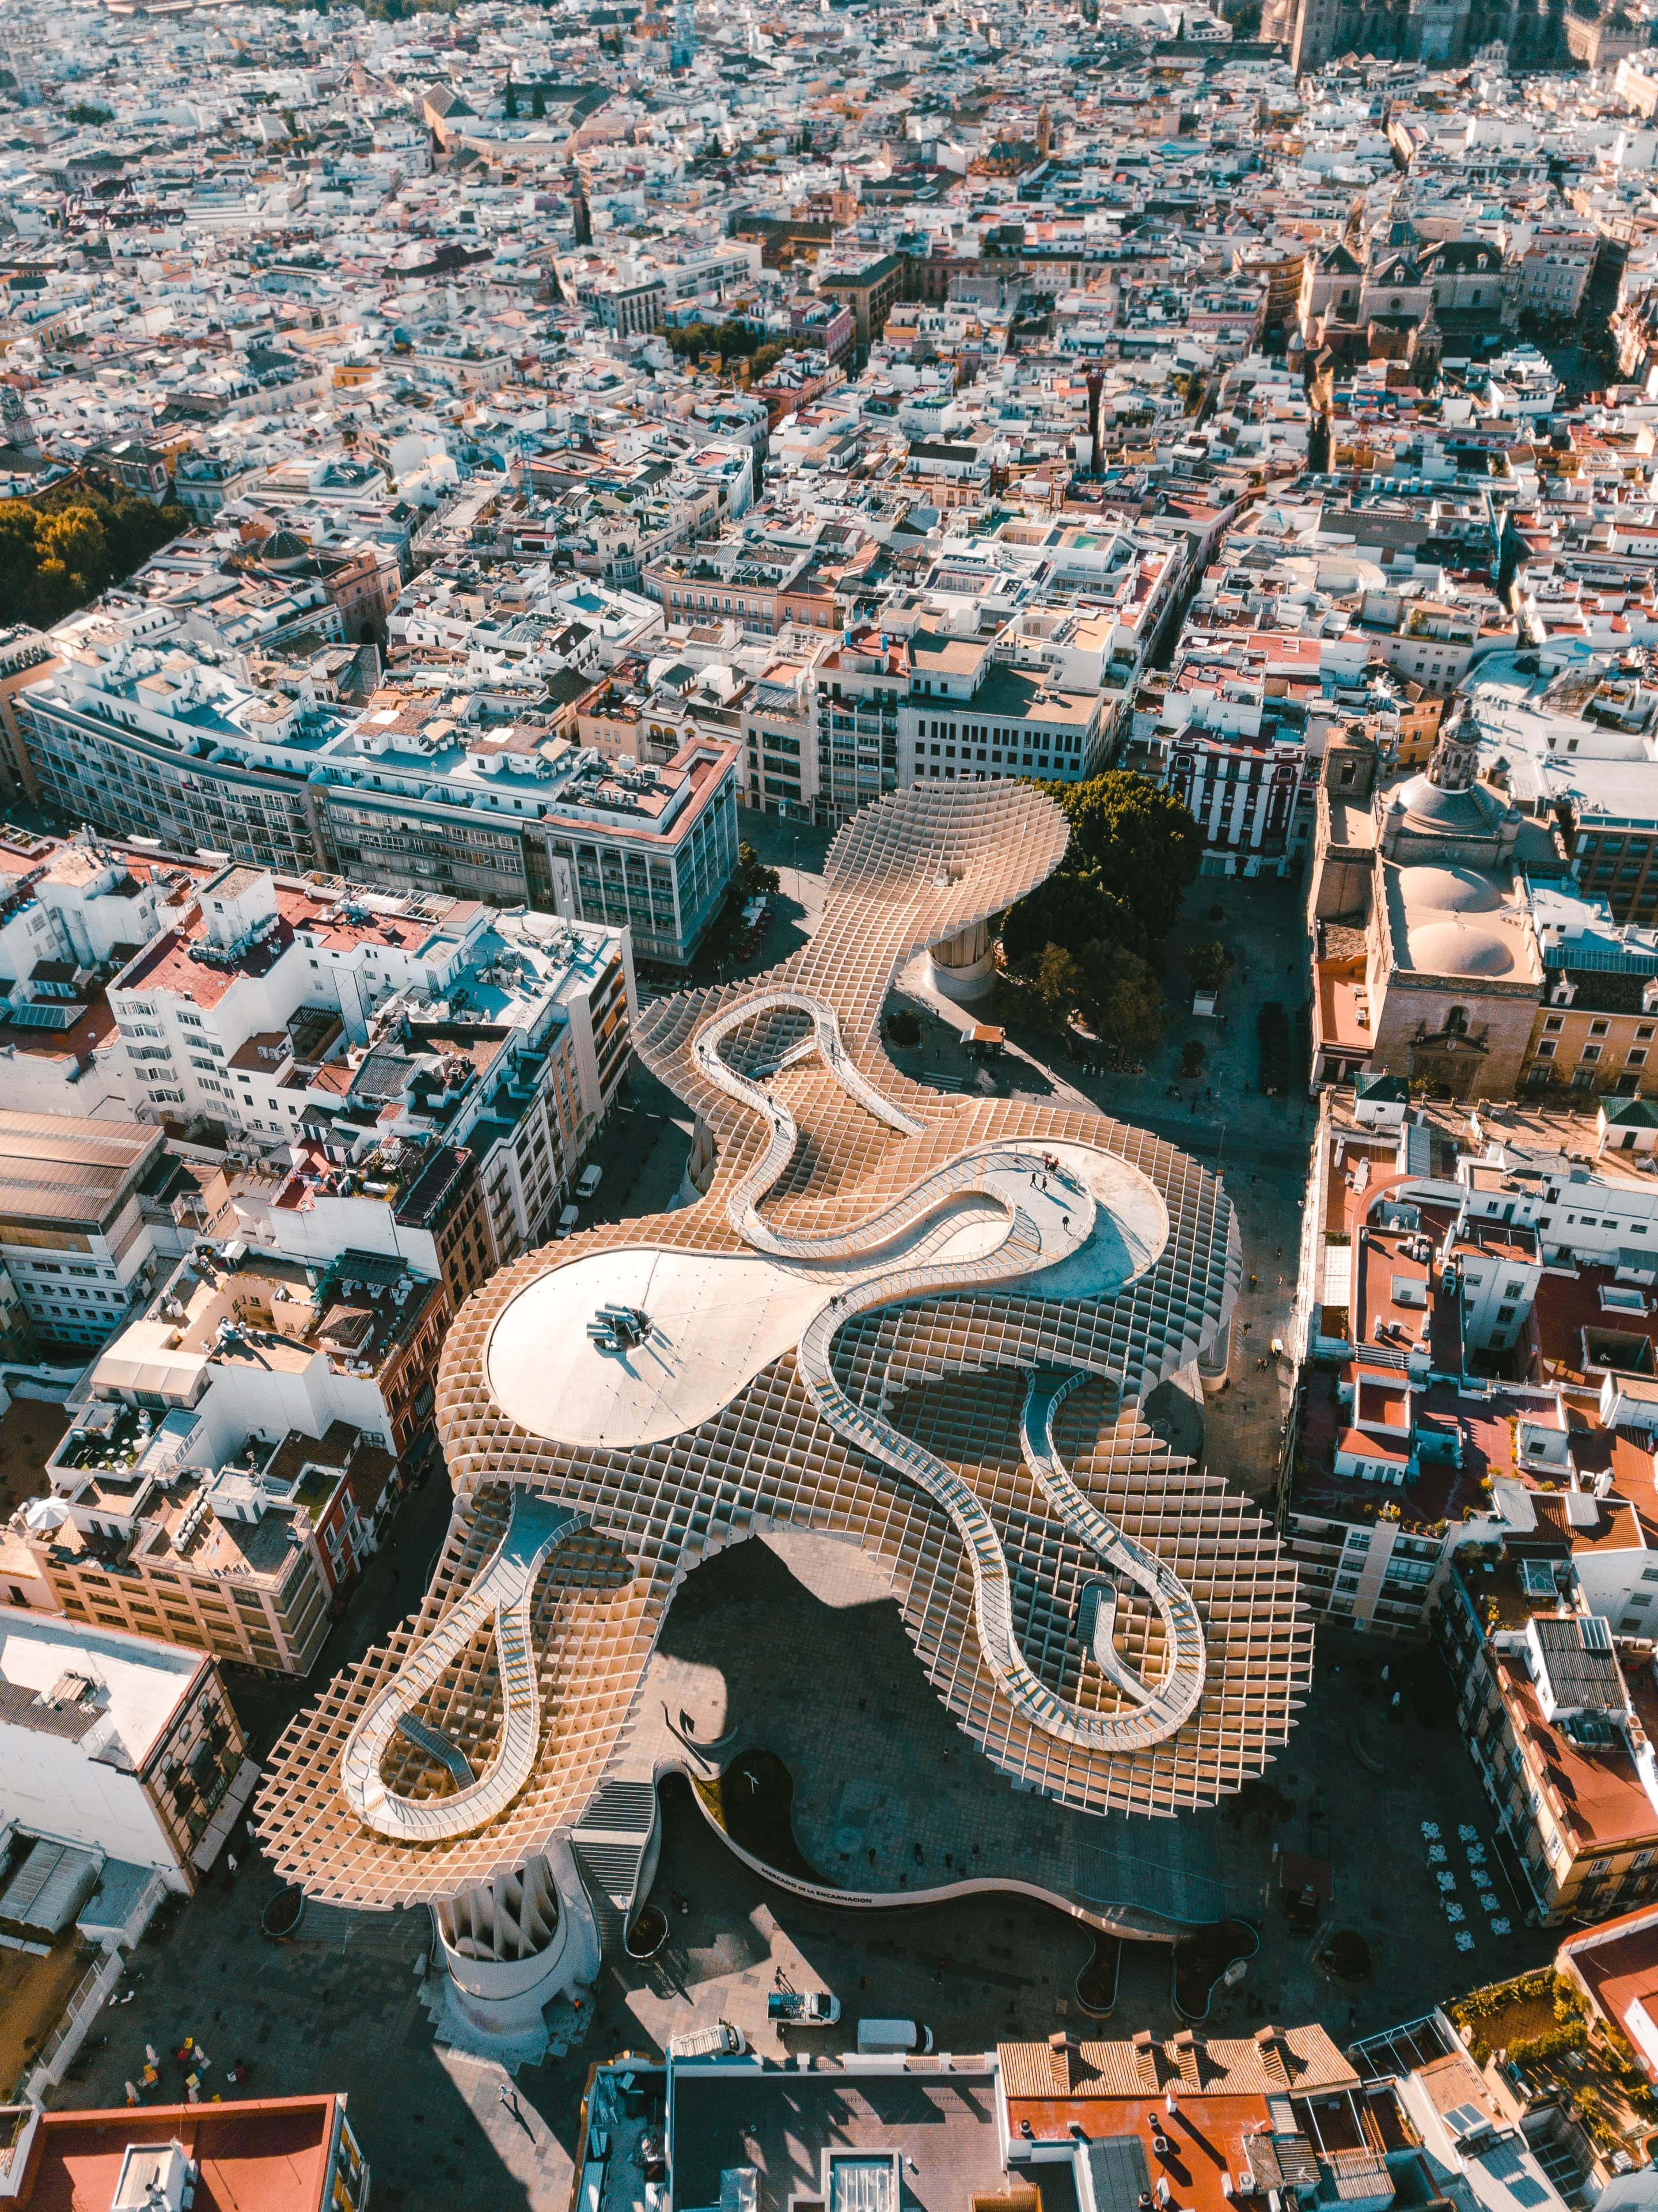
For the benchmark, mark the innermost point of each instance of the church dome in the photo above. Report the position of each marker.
(1459, 948)
(1428, 889)
(1475, 809)
(284, 549)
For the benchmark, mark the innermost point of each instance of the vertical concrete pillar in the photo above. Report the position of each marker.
(965, 967)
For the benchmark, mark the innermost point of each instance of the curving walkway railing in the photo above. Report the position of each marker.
(504, 1589)
(1184, 1673)
(1044, 1225)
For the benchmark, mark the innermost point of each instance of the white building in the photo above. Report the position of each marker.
(87, 1220)
(336, 1026)
(123, 1746)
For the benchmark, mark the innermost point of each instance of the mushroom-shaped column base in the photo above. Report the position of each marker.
(965, 968)
(514, 1944)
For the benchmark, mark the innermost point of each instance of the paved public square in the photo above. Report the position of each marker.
(341, 2006)
(794, 1646)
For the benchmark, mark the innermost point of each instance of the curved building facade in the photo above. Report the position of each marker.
(1109, 1624)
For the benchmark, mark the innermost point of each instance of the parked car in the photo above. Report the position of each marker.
(804, 2007)
(566, 1222)
(722, 2040)
(892, 2036)
(588, 1181)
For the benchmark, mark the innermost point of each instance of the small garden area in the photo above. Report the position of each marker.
(752, 1800)
(1097, 1985)
(1201, 1959)
(1539, 2024)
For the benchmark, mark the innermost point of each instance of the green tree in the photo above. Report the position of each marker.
(1141, 836)
(71, 561)
(74, 555)
(1121, 999)
(538, 101)
(1209, 964)
(1134, 848)
(752, 877)
(57, 555)
(20, 557)
(512, 101)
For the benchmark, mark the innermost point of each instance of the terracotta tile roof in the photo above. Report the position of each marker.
(1301, 2060)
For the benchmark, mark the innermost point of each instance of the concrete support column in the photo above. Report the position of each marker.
(965, 967)
(1214, 1363)
(514, 1944)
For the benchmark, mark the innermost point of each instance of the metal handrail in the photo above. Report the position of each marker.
(1177, 1698)
(999, 1172)
(505, 1587)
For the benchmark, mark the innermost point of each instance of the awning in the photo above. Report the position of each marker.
(224, 1819)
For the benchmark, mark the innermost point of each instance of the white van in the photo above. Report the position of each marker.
(722, 2040)
(592, 1176)
(566, 1222)
(890, 2036)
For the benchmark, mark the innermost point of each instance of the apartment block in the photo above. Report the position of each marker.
(297, 2152)
(1557, 1716)
(139, 732)
(118, 1747)
(90, 1213)
(1479, 1333)
(243, 1452)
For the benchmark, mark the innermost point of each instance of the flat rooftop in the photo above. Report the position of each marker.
(268, 2155)
(943, 2124)
(57, 1167)
(140, 1683)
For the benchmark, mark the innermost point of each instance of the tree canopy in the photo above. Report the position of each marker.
(58, 553)
(1209, 964)
(1115, 991)
(1134, 849)
(732, 341)
(1086, 941)
(751, 878)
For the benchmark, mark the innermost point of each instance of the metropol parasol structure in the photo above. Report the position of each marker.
(619, 1407)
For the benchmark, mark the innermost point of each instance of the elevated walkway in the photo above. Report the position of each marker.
(503, 1590)
(1050, 1215)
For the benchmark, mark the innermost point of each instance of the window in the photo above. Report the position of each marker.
(1591, 1052)
(1553, 1022)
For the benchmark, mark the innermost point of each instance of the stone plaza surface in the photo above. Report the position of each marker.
(342, 2007)
(877, 1764)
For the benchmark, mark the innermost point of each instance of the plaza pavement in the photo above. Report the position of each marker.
(798, 1650)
